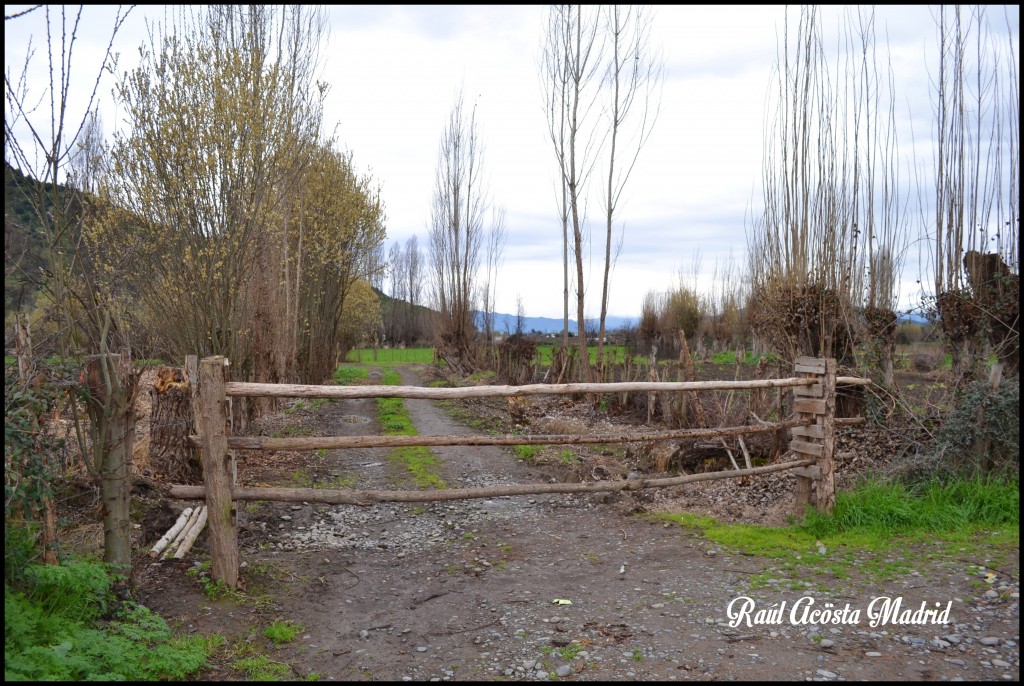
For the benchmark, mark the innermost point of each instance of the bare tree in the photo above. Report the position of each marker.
(572, 60)
(520, 315)
(414, 287)
(496, 239)
(456, 235)
(633, 76)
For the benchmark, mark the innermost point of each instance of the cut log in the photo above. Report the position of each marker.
(190, 538)
(171, 533)
(192, 519)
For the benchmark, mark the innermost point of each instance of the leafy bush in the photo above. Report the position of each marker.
(999, 426)
(53, 631)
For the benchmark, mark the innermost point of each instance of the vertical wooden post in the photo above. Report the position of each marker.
(211, 422)
(817, 403)
(826, 461)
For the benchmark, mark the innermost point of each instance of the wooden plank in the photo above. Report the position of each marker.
(365, 498)
(812, 431)
(802, 496)
(810, 406)
(812, 365)
(815, 391)
(806, 448)
(811, 472)
(825, 495)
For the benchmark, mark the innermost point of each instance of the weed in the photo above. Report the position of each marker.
(637, 655)
(283, 631)
(321, 452)
(254, 506)
(526, 453)
(570, 651)
(567, 457)
(262, 668)
(469, 536)
(547, 650)
(52, 631)
(346, 376)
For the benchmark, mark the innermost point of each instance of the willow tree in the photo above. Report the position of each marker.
(805, 256)
(222, 113)
(335, 230)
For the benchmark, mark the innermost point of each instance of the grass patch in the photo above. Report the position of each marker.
(421, 464)
(526, 453)
(262, 668)
(391, 356)
(283, 631)
(346, 376)
(874, 529)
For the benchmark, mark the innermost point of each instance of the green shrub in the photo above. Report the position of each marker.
(53, 631)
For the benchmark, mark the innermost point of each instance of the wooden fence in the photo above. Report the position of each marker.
(813, 444)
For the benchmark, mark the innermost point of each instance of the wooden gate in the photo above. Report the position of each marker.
(813, 443)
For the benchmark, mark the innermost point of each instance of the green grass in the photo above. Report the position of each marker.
(615, 354)
(262, 668)
(387, 356)
(526, 452)
(283, 631)
(346, 375)
(421, 464)
(874, 528)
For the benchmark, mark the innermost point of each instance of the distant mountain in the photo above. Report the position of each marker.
(507, 322)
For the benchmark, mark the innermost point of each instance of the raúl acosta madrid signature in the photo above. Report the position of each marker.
(803, 611)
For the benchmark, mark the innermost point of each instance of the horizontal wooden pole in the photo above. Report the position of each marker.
(339, 442)
(364, 498)
(849, 421)
(279, 390)
(852, 381)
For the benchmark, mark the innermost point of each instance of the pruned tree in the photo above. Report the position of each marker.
(413, 262)
(977, 202)
(805, 257)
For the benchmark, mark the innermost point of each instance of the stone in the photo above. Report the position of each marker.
(989, 640)
(827, 674)
(564, 670)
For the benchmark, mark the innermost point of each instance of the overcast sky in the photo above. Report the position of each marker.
(394, 73)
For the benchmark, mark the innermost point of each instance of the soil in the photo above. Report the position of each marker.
(554, 586)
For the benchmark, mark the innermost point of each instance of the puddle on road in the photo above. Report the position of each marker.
(354, 419)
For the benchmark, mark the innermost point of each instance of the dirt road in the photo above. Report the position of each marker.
(472, 589)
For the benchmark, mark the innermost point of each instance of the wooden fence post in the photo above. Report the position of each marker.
(211, 421)
(817, 403)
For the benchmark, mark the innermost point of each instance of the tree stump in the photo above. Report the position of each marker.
(171, 423)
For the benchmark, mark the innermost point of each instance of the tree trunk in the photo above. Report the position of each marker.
(171, 423)
(113, 386)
